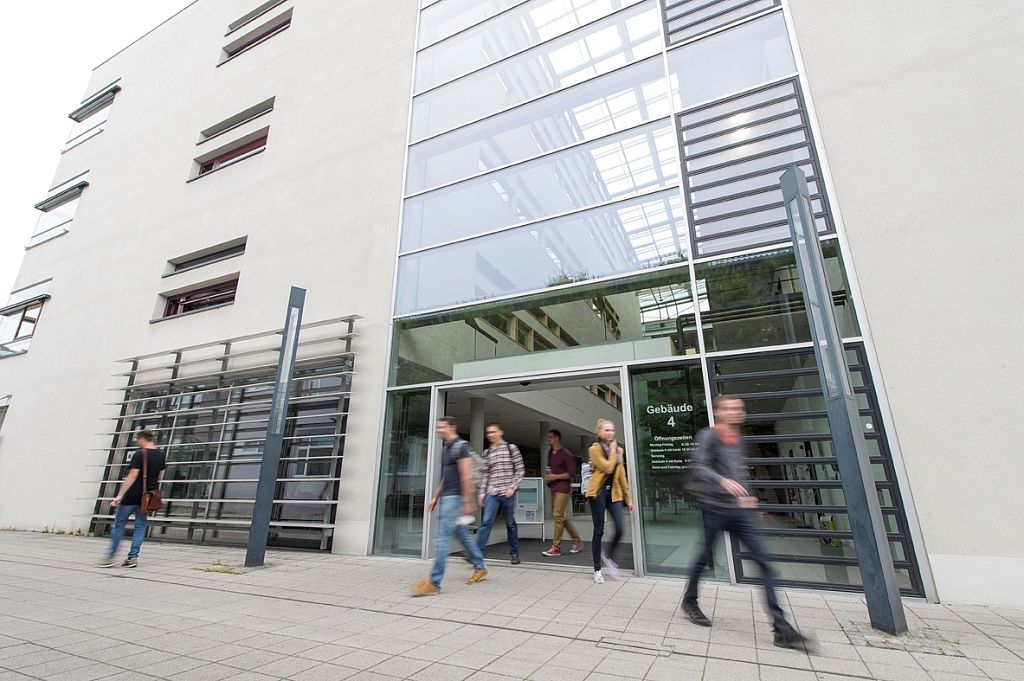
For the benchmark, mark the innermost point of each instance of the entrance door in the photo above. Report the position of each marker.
(668, 408)
(527, 410)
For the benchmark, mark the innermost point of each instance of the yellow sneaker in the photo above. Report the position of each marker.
(425, 587)
(477, 575)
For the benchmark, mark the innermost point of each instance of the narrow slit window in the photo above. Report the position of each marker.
(249, 16)
(256, 36)
(91, 116)
(208, 256)
(239, 119)
(233, 155)
(194, 300)
(57, 210)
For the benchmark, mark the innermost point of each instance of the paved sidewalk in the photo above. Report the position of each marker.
(190, 613)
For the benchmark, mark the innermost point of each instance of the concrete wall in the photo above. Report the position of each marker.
(320, 208)
(918, 104)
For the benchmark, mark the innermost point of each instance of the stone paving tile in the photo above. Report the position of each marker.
(888, 672)
(59, 665)
(944, 663)
(1002, 670)
(206, 672)
(442, 672)
(90, 672)
(513, 625)
(767, 673)
(729, 670)
(361, 659)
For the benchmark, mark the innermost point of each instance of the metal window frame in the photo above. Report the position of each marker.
(890, 483)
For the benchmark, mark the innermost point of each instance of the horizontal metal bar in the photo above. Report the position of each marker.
(800, 460)
(808, 484)
(189, 481)
(238, 339)
(709, 18)
(246, 353)
(240, 371)
(817, 560)
(223, 424)
(214, 407)
(221, 462)
(683, 127)
(797, 532)
(186, 502)
(813, 508)
(222, 522)
(220, 442)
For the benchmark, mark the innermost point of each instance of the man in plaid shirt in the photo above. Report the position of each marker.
(503, 471)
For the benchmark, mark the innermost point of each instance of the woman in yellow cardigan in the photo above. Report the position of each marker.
(607, 491)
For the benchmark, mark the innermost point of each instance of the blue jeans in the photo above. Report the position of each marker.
(598, 506)
(117, 532)
(449, 508)
(507, 505)
(743, 523)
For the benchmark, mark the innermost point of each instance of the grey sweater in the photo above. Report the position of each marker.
(714, 460)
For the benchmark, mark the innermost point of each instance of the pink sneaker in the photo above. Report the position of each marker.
(577, 546)
(552, 552)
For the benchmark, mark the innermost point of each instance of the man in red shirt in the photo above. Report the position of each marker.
(561, 469)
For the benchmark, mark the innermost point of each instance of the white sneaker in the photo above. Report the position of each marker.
(598, 577)
(610, 566)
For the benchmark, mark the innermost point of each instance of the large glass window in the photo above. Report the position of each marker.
(589, 51)
(729, 62)
(756, 300)
(601, 171)
(645, 317)
(619, 100)
(505, 34)
(616, 239)
(438, 20)
(668, 410)
(403, 475)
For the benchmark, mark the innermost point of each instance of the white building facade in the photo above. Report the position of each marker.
(538, 212)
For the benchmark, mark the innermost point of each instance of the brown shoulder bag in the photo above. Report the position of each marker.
(151, 500)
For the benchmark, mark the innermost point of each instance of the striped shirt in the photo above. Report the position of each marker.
(503, 469)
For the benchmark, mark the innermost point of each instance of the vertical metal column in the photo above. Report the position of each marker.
(869, 537)
(260, 528)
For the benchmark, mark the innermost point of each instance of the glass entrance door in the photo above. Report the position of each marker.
(669, 407)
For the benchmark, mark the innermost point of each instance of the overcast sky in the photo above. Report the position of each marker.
(48, 52)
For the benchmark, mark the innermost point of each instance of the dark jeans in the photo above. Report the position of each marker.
(507, 505)
(598, 506)
(742, 523)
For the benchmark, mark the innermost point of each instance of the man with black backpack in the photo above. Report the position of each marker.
(453, 500)
(145, 473)
(717, 476)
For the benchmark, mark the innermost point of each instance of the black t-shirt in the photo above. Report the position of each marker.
(450, 456)
(156, 461)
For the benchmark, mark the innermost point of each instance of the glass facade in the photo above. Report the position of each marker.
(594, 186)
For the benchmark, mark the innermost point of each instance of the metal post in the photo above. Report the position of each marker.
(259, 530)
(885, 608)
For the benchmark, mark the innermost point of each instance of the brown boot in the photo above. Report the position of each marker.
(477, 575)
(425, 587)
